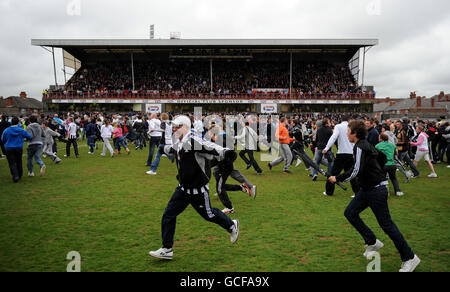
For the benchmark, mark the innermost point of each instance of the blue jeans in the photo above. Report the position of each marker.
(155, 163)
(376, 199)
(91, 143)
(318, 155)
(34, 151)
(154, 142)
(120, 141)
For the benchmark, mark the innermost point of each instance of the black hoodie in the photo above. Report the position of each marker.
(366, 168)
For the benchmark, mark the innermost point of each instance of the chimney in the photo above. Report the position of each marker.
(441, 95)
(432, 102)
(412, 95)
(23, 94)
(10, 103)
(419, 102)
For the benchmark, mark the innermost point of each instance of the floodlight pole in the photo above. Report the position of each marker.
(132, 70)
(54, 67)
(364, 66)
(211, 73)
(290, 75)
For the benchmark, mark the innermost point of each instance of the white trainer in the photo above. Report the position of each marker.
(370, 249)
(31, 174)
(433, 175)
(162, 253)
(42, 172)
(399, 194)
(253, 192)
(228, 211)
(151, 172)
(411, 265)
(298, 163)
(234, 233)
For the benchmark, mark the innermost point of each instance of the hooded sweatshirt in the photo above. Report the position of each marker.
(37, 134)
(13, 137)
(422, 142)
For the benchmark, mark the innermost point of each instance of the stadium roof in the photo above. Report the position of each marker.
(245, 43)
(81, 47)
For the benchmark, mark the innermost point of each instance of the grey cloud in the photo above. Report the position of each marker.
(392, 67)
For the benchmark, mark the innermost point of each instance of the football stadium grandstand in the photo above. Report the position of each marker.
(227, 75)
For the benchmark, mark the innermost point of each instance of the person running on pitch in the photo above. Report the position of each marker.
(297, 147)
(390, 150)
(35, 146)
(120, 140)
(323, 135)
(368, 168)
(48, 142)
(106, 133)
(249, 141)
(166, 140)
(286, 155)
(193, 155)
(13, 138)
(422, 150)
(344, 156)
(224, 168)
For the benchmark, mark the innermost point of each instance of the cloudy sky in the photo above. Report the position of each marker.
(414, 35)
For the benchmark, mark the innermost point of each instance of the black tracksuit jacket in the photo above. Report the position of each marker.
(366, 167)
(193, 155)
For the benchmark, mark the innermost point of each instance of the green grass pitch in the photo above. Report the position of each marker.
(110, 211)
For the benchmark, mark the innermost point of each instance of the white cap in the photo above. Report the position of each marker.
(181, 120)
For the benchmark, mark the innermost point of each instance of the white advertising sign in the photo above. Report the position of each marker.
(153, 108)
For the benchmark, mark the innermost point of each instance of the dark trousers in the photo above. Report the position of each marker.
(75, 146)
(342, 162)
(405, 157)
(298, 149)
(154, 143)
(222, 188)
(391, 170)
(14, 157)
(376, 199)
(91, 143)
(441, 150)
(179, 202)
(433, 148)
(250, 160)
(2, 147)
(54, 146)
(448, 153)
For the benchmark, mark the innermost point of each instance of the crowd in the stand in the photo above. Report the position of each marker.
(235, 77)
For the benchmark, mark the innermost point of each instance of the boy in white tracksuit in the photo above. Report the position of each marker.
(48, 142)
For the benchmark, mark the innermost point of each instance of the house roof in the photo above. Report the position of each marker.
(21, 103)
